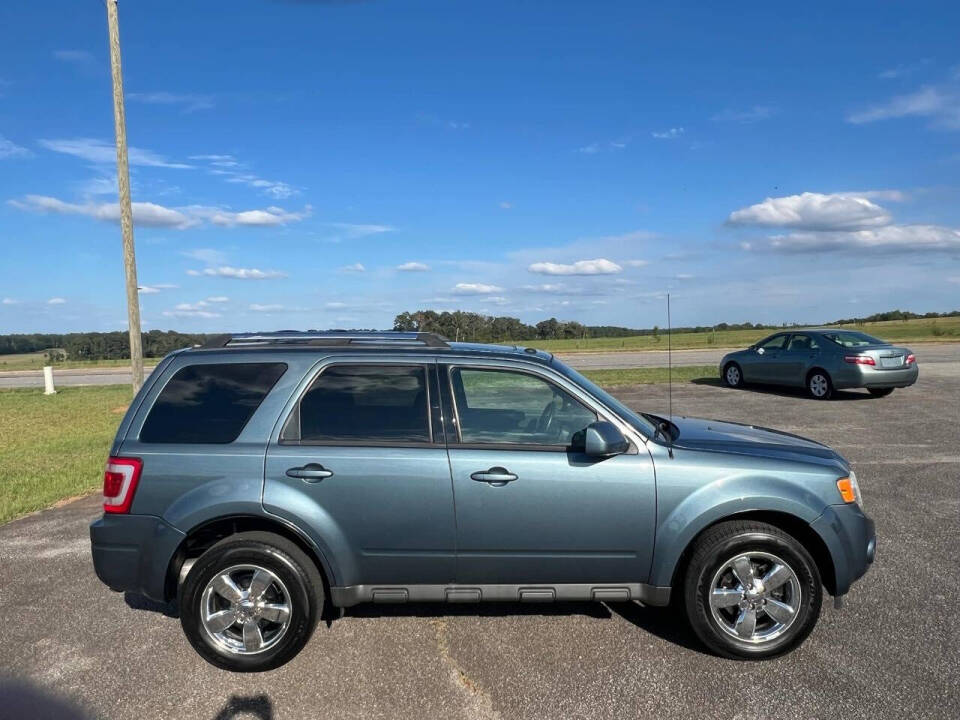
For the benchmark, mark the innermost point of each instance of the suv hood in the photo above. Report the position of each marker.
(731, 437)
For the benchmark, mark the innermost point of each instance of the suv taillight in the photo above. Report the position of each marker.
(120, 480)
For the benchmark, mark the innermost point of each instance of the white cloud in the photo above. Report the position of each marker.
(206, 255)
(56, 301)
(814, 211)
(940, 104)
(671, 134)
(268, 217)
(154, 215)
(591, 149)
(335, 305)
(266, 308)
(506, 205)
(144, 213)
(413, 267)
(9, 149)
(355, 268)
(600, 266)
(951, 279)
(355, 231)
(636, 263)
(495, 300)
(188, 102)
(99, 151)
(10, 301)
(745, 117)
(891, 238)
(191, 314)
(226, 271)
(475, 289)
(218, 299)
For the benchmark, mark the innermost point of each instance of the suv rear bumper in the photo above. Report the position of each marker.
(851, 539)
(133, 552)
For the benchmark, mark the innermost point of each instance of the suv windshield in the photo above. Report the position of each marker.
(851, 338)
(626, 414)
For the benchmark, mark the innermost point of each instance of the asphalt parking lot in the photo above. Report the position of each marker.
(893, 650)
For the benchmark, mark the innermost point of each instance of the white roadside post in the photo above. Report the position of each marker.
(48, 388)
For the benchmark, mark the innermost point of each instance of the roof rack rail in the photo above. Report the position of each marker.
(389, 338)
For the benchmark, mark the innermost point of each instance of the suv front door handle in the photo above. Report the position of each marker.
(311, 472)
(496, 476)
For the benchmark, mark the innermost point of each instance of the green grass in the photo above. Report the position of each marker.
(650, 376)
(54, 447)
(36, 361)
(921, 330)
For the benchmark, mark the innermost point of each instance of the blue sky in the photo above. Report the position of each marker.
(331, 164)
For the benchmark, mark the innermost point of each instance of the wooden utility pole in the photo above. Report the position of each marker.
(126, 208)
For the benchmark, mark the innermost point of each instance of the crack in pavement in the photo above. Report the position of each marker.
(479, 703)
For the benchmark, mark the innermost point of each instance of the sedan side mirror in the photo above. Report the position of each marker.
(603, 439)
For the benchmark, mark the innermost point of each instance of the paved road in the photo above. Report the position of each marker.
(893, 651)
(926, 353)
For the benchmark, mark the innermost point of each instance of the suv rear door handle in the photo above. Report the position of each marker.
(311, 472)
(497, 476)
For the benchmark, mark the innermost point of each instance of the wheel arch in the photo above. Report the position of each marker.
(207, 533)
(796, 527)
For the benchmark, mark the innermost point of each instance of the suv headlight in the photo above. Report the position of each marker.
(850, 489)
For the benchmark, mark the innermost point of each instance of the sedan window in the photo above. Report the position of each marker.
(852, 339)
(775, 343)
(802, 343)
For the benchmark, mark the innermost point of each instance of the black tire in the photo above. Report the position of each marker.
(298, 576)
(732, 375)
(819, 384)
(713, 552)
(880, 392)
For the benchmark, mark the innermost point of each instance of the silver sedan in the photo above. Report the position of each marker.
(822, 360)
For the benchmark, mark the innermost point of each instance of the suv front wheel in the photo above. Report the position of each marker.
(250, 602)
(751, 590)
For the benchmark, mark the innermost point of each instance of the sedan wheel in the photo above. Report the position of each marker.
(732, 375)
(819, 385)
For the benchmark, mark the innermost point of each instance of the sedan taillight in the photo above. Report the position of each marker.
(859, 360)
(120, 480)
(910, 359)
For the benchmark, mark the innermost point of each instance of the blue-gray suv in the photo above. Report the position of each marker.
(259, 478)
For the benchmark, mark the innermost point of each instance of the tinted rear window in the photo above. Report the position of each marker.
(364, 403)
(209, 403)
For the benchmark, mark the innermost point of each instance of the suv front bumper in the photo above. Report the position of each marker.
(133, 552)
(851, 538)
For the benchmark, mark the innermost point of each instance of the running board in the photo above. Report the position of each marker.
(566, 592)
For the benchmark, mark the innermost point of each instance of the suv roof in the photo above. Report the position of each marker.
(365, 340)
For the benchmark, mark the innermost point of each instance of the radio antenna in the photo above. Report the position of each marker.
(669, 362)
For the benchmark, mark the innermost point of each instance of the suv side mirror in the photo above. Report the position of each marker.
(603, 439)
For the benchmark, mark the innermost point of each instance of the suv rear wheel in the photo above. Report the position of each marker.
(250, 602)
(751, 590)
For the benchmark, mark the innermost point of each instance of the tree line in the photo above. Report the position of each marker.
(457, 325)
(97, 345)
(474, 327)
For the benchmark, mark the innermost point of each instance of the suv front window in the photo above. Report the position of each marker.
(501, 406)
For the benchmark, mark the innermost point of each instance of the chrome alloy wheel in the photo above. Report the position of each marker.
(755, 597)
(819, 385)
(733, 376)
(245, 609)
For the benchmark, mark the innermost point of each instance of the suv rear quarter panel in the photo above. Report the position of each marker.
(188, 484)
